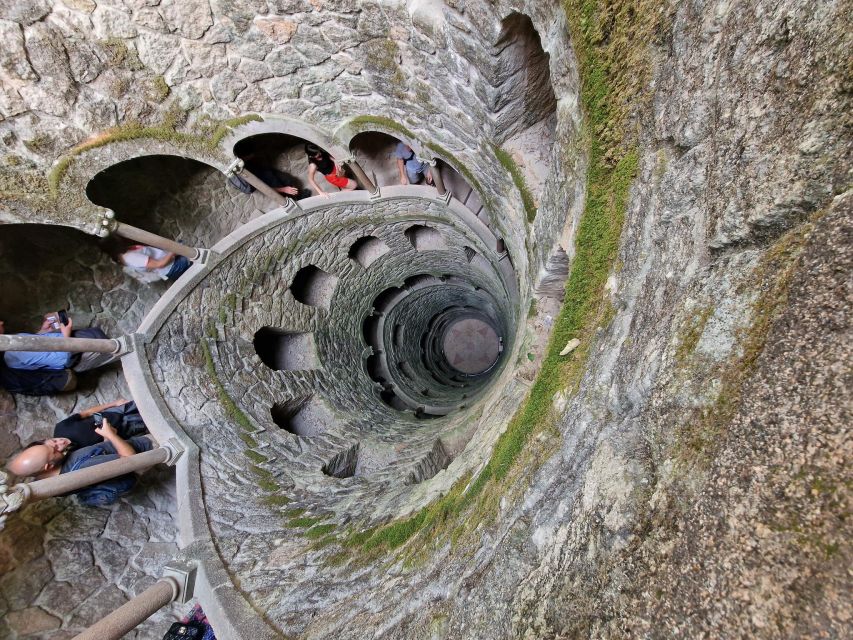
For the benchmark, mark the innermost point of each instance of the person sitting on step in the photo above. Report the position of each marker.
(319, 160)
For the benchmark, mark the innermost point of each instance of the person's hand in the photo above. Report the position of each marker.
(106, 430)
(66, 328)
(46, 324)
(290, 191)
(119, 402)
(323, 194)
(2, 328)
(404, 179)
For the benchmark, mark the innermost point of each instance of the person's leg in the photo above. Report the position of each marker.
(415, 175)
(89, 359)
(179, 265)
(350, 185)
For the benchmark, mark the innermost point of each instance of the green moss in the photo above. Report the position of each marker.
(304, 522)
(159, 89)
(270, 486)
(319, 531)
(385, 123)
(230, 407)
(231, 301)
(294, 513)
(514, 170)
(531, 312)
(692, 333)
(255, 456)
(278, 500)
(41, 143)
(116, 50)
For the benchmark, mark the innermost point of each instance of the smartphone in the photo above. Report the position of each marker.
(98, 419)
(63, 316)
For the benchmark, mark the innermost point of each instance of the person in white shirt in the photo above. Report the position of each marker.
(160, 264)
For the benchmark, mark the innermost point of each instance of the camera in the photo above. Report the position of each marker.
(58, 319)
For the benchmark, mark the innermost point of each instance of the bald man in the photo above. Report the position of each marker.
(55, 456)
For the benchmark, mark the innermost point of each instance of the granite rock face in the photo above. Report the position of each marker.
(698, 488)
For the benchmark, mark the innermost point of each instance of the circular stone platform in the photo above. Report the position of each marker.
(471, 346)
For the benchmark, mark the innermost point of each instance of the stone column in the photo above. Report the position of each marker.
(111, 225)
(176, 585)
(133, 612)
(361, 175)
(14, 342)
(436, 177)
(239, 168)
(13, 498)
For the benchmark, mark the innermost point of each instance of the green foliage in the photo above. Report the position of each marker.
(231, 408)
(255, 456)
(382, 122)
(278, 500)
(304, 522)
(159, 89)
(319, 531)
(514, 170)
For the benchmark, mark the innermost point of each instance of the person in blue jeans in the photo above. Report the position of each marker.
(52, 458)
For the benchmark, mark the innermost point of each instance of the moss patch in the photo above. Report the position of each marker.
(514, 170)
(382, 122)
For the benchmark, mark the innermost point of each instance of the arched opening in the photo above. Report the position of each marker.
(314, 287)
(286, 351)
(378, 154)
(343, 465)
(281, 161)
(525, 109)
(365, 251)
(305, 416)
(278, 159)
(424, 238)
(49, 267)
(174, 197)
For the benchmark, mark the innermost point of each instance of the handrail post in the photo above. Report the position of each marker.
(361, 175)
(437, 180)
(110, 225)
(17, 342)
(18, 496)
(238, 168)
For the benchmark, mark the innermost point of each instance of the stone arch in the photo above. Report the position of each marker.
(49, 267)
(375, 153)
(425, 238)
(314, 287)
(171, 195)
(524, 111)
(303, 416)
(367, 249)
(275, 155)
(282, 350)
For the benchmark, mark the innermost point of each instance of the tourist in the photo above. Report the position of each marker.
(412, 170)
(55, 456)
(58, 325)
(150, 264)
(277, 180)
(319, 160)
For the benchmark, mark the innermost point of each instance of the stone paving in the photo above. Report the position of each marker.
(63, 566)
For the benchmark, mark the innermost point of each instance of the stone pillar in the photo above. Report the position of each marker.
(437, 180)
(176, 585)
(361, 175)
(239, 168)
(15, 497)
(14, 342)
(133, 612)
